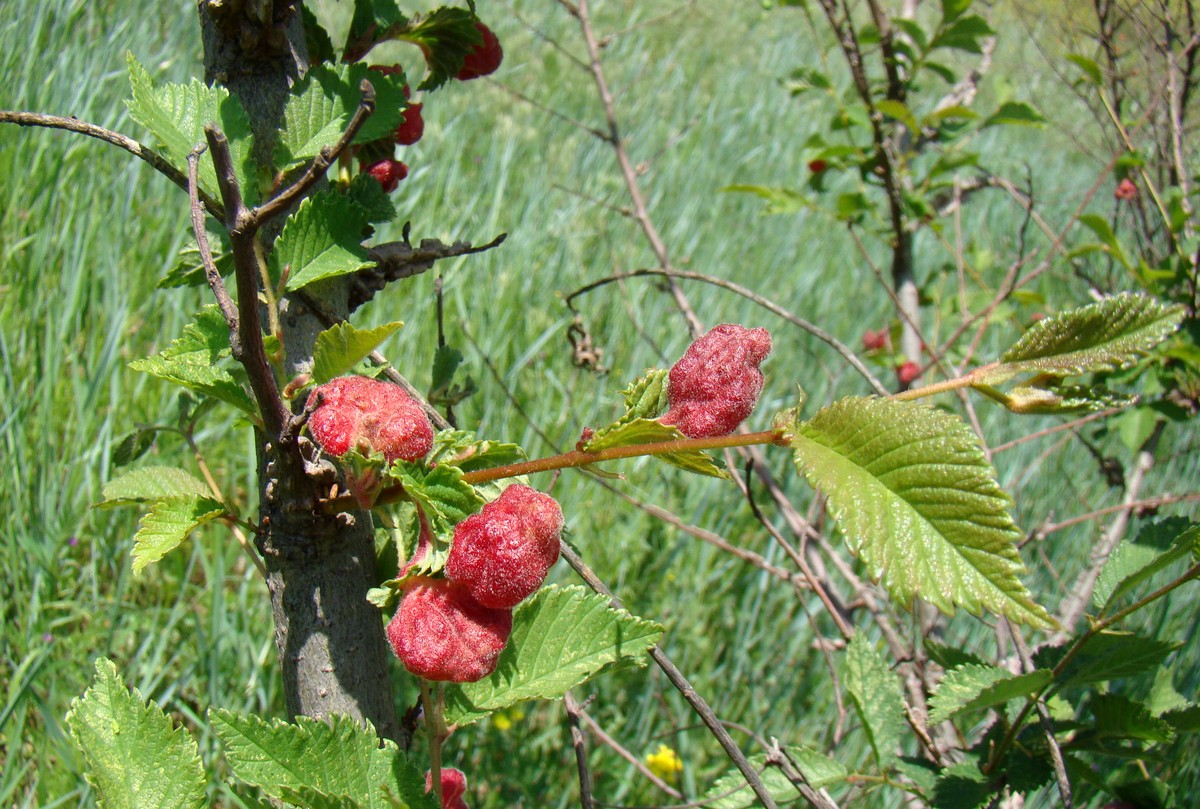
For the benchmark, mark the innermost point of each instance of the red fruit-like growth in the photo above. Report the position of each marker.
(502, 554)
(388, 172)
(715, 385)
(907, 372)
(412, 127)
(817, 166)
(484, 59)
(454, 786)
(875, 340)
(1126, 189)
(441, 633)
(387, 70)
(356, 412)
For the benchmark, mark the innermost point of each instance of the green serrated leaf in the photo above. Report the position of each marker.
(779, 200)
(875, 692)
(309, 798)
(191, 361)
(918, 502)
(446, 35)
(462, 449)
(1103, 230)
(953, 9)
(963, 34)
(961, 786)
(561, 638)
(370, 25)
(1107, 656)
(136, 757)
(342, 346)
(1118, 717)
(368, 194)
(441, 493)
(898, 111)
(334, 756)
(1089, 67)
(647, 431)
(133, 446)
(646, 396)
(1130, 564)
(149, 483)
(168, 523)
(731, 792)
(188, 269)
(322, 239)
(976, 688)
(1014, 113)
(176, 115)
(950, 657)
(321, 104)
(1104, 336)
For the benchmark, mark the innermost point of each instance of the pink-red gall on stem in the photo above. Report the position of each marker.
(908, 372)
(411, 128)
(454, 786)
(875, 340)
(485, 57)
(356, 412)
(441, 633)
(715, 385)
(1125, 190)
(388, 172)
(502, 554)
(817, 166)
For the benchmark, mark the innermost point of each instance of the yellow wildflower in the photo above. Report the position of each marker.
(664, 762)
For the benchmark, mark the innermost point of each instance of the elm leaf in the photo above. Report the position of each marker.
(975, 688)
(136, 757)
(168, 523)
(342, 346)
(917, 501)
(334, 757)
(561, 638)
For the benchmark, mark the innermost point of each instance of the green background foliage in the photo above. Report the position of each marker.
(86, 233)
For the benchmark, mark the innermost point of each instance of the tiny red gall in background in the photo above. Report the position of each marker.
(387, 70)
(440, 633)
(484, 59)
(1126, 189)
(388, 172)
(817, 166)
(503, 553)
(875, 340)
(907, 372)
(356, 412)
(454, 786)
(716, 383)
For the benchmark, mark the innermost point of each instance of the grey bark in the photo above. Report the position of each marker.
(330, 639)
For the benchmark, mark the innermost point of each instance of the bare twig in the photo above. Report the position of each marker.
(211, 274)
(156, 161)
(579, 743)
(624, 753)
(282, 201)
(1056, 757)
(699, 705)
(816, 331)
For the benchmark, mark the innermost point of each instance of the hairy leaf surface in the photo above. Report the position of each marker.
(562, 637)
(137, 758)
(342, 346)
(335, 757)
(322, 239)
(874, 691)
(1104, 336)
(976, 688)
(918, 502)
(152, 483)
(191, 361)
(168, 523)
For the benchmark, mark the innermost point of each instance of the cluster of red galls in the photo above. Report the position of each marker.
(453, 627)
(481, 61)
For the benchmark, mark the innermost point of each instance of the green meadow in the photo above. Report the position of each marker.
(86, 232)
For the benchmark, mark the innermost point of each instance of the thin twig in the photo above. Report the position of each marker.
(156, 161)
(1056, 757)
(770, 306)
(321, 163)
(624, 753)
(211, 274)
(579, 743)
(685, 688)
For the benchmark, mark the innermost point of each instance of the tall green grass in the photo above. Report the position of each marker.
(85, 232)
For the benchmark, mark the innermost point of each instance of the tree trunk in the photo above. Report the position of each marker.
(329, 637)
